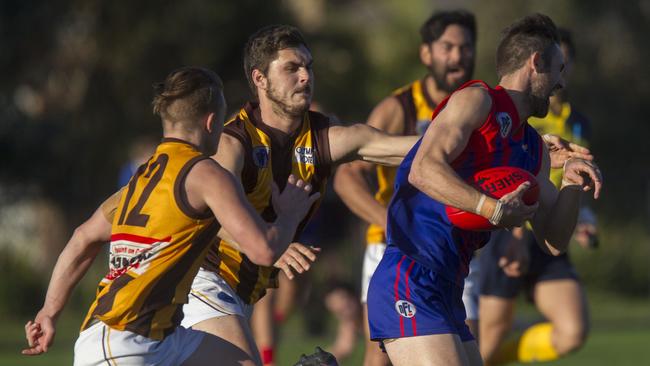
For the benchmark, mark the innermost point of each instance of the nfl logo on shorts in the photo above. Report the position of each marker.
(405, 308)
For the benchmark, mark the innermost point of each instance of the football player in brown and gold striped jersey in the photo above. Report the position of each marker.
(270, 138)
(165, 221)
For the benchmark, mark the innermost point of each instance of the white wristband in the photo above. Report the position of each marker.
(497, 214)
(479, 206)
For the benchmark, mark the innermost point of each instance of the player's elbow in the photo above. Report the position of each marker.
(415, 177)
(83, 238)
(262, 256)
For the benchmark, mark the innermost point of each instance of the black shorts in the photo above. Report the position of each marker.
(542, 267)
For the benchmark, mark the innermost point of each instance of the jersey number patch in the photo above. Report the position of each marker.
(134, 217)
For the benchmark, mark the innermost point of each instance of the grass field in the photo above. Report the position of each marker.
(620, 336)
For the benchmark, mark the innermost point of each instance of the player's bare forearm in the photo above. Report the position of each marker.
(208, 185)
(72, 264)
(554, 226)
(439, 181)
(74, 261)
(351, 185)
(384, 149)
(363, 142)
(443, 142)
(557, 217)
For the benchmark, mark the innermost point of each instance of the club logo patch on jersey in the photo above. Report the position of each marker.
(261, 156)
(505, 123)
(305, 155)
(405, 308)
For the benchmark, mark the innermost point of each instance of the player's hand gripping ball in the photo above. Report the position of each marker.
(495, 183)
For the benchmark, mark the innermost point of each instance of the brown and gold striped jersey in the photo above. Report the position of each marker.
(418, 108)
(270, 156)
(158, 242)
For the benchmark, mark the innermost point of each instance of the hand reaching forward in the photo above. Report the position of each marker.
(562, 150)
(297, 259)
(582, 173)
(295, 200)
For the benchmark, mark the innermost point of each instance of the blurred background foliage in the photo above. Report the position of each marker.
(76, 88)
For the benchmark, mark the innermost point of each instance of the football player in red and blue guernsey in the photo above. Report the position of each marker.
(414, 301)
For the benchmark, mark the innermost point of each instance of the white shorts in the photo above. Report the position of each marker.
(101, 345)
(470, 290)
(212, 297)
(371, 259)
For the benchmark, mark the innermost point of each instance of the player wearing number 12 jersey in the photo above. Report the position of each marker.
(164, 223)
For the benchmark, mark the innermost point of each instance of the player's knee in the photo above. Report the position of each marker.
(571, 337)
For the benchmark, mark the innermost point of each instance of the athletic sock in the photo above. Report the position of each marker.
(267, 355)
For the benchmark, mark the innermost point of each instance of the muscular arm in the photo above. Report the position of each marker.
(368, 143)
(73, 262)
(351, 183)
(442, 143)
(211, 185)
(555, 220)
(75, 259)
(230, 156)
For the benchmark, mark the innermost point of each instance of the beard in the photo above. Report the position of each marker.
(280, 105)
(439, 75)
(539, 99)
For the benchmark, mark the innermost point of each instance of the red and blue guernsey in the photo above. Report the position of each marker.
(418, 225)
(418, 285)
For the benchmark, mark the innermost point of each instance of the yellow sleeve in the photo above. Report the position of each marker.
(110, 205)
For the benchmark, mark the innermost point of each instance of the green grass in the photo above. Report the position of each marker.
(620, 336)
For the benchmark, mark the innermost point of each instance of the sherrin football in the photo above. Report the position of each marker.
(495, 183)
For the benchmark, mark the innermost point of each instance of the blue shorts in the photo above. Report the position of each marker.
(406, 299)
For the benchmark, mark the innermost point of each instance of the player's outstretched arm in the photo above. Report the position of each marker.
(363, 142)
(208, 185)
(350, 181)
(556, 218)
(297, 258)
(72, 264)
(230, 155)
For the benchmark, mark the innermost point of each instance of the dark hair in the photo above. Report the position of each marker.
(567, 39)
(187, 94)
(534, 33)
(263, 46)
(435, 26)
